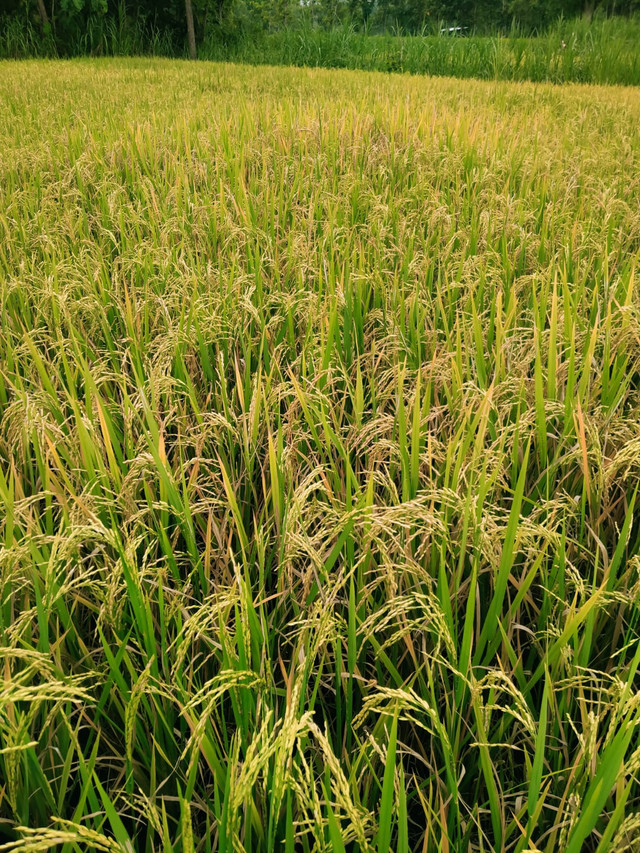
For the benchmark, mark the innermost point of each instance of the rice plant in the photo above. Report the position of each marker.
(319, 461)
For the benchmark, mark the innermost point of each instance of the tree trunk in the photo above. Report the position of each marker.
(589, 9)
(191, 33)
(42, 10)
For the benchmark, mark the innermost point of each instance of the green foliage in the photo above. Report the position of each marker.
(76, 27)
(573, 51)
(96, 7)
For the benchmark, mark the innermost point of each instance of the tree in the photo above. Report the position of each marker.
(42, 11)
(191, 33)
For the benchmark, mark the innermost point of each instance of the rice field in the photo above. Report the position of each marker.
(319, 461)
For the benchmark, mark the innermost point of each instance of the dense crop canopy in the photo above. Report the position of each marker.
(319, 453)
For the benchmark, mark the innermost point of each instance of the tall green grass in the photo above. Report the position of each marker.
(606, 51)
(98, 35)
(319, 461)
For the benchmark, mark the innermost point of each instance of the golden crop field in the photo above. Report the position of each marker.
(319, 460)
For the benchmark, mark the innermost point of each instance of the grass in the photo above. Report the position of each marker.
(319, 413)
(603, 52)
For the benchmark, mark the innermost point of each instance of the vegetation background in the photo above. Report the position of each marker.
(558, 40)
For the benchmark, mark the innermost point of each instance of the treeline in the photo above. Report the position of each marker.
(69, 27)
